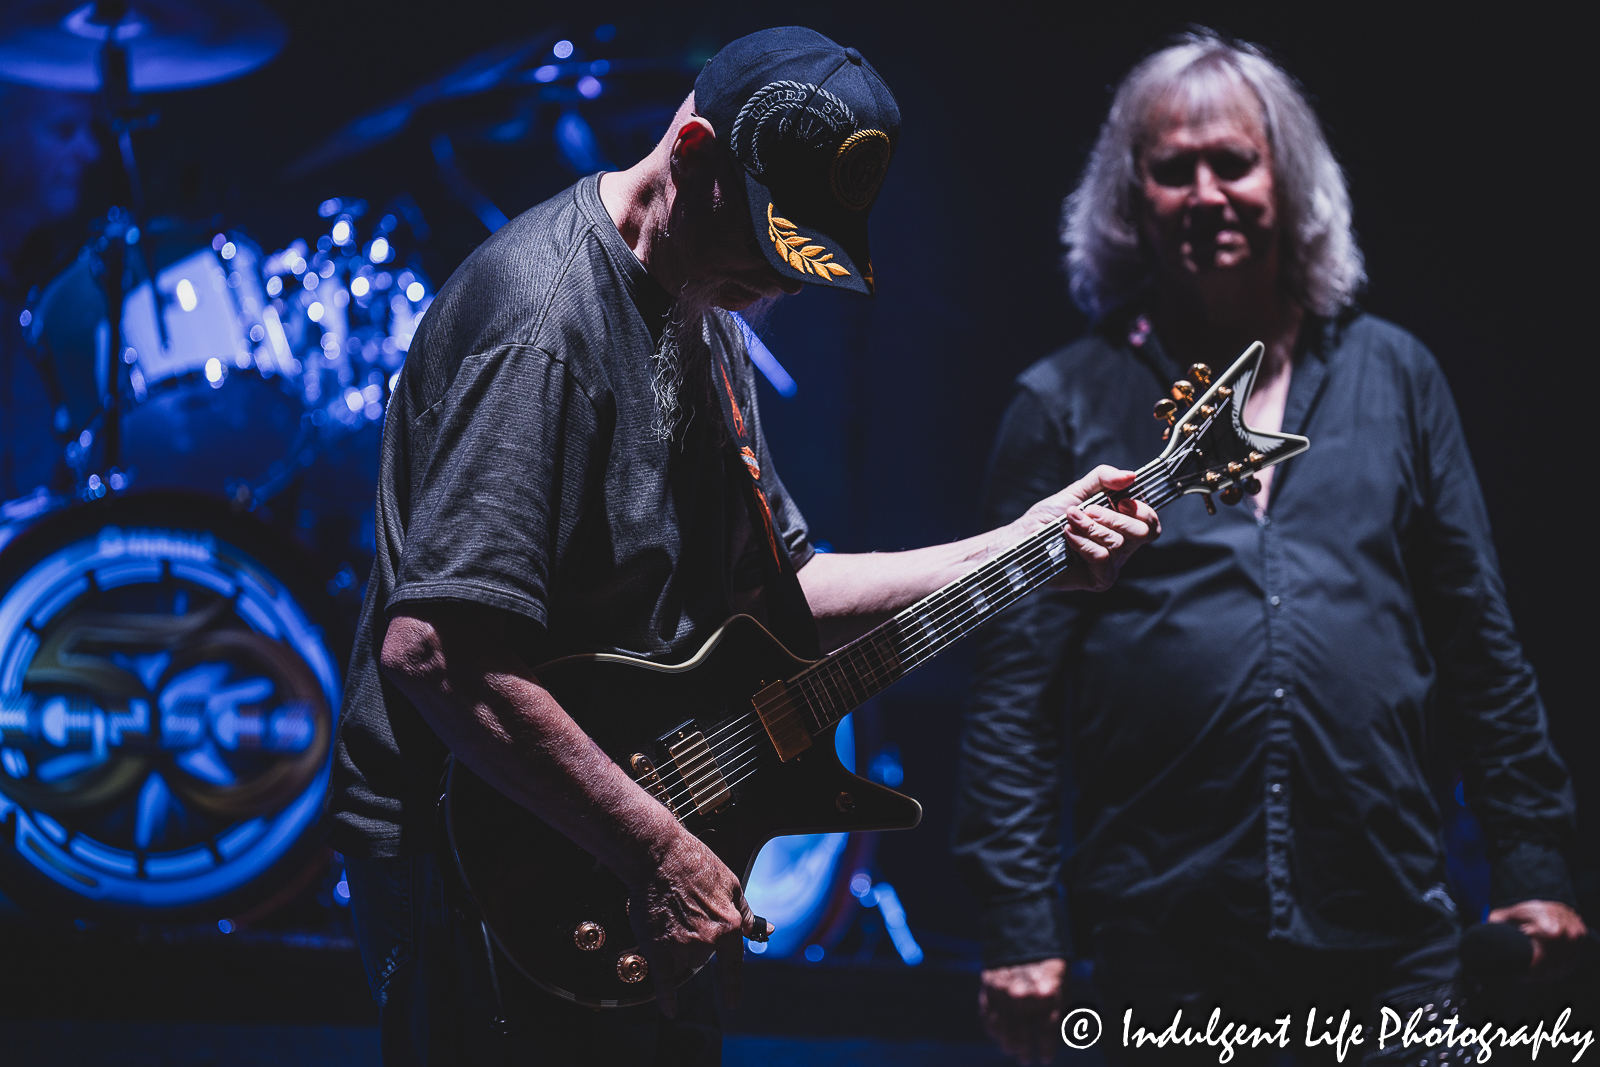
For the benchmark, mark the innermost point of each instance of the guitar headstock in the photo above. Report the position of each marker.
(1209, 447)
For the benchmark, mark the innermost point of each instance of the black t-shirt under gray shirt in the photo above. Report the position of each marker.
(519, 472)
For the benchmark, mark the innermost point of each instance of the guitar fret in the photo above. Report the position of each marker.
(861, 674)
(836, 699)
(819, 687)
(850, 675)
(818, 703)
(887, 668)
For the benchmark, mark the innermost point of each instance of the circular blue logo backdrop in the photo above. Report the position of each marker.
(166, 718)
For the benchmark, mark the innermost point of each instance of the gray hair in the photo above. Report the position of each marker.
(1107, 262)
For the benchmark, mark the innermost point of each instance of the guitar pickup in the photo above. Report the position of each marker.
(698, 768)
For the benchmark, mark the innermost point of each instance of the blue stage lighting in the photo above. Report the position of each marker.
(766, 362)
(894, 921)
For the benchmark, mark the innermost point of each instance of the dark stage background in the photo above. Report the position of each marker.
(1460, 141)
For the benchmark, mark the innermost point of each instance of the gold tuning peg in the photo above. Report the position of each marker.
(1200, 373)
(1232, 495)
(1182, 390)
(1166, 409)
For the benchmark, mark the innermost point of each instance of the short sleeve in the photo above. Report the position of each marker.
(500, 467)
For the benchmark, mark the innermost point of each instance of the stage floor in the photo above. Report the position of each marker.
(80, 1043)
(74, 999)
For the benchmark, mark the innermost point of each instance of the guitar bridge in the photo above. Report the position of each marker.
(698, 768)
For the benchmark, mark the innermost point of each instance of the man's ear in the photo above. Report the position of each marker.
(694, 149)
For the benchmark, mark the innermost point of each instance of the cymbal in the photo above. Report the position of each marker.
(171, 44)
(518, 67)
(480, 73)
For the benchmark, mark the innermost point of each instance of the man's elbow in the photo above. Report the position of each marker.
(412, 652)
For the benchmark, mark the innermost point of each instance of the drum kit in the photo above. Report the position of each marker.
(170, 664)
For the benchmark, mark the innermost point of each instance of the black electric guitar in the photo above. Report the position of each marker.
(737, 742)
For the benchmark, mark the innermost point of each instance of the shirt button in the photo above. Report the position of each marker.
(1277, 694)
(1275, 788)
(1274, 601)
(1263, 520)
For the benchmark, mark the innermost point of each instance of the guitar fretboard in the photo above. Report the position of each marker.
(838, 684)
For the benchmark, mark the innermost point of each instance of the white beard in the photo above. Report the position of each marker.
(669, 371)
(681, 375)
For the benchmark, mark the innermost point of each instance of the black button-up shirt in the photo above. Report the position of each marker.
(1248, 713)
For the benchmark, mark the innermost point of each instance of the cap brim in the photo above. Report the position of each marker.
(798, 248)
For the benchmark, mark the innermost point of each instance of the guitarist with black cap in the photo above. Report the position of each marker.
(573, 462)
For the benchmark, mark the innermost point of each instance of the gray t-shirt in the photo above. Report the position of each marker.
(518, 472)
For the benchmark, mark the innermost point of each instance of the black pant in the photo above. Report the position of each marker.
(428, 967)
(1258, 980)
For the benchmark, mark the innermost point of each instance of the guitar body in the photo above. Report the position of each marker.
(547, 901)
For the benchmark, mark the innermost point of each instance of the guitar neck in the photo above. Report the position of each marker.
(845, 679)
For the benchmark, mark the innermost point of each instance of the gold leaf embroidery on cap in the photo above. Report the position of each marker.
(803, 257)
(859, 167)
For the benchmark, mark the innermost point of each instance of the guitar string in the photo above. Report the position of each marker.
(935, 631)
(749, 724)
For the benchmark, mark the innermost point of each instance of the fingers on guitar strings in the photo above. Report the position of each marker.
(1098, 540)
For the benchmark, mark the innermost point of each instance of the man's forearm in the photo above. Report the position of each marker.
(853, 591)
(849, 593)
(493, 715)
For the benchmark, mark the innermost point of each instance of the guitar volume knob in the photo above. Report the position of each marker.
(589, 936)
(633, 968)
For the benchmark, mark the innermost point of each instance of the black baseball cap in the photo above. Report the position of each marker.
(814, 127)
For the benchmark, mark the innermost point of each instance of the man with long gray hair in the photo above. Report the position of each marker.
(1250, 709)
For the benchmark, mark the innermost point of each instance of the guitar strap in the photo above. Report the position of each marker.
(789, 616)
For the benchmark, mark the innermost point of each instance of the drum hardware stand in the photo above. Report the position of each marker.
(124, 116)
